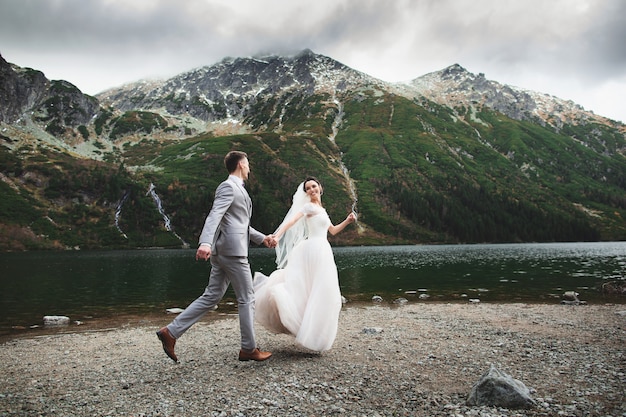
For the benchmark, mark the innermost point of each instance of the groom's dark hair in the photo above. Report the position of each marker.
(232, 158)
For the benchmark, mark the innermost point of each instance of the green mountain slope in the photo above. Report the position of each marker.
(492, 179)
(414, 170)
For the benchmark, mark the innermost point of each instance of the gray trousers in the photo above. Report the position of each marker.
(225, 270)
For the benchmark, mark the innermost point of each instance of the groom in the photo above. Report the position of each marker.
(225, 239)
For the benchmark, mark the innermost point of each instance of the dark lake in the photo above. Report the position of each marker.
(99, 285)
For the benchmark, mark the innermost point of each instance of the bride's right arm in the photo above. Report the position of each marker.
(281, 231)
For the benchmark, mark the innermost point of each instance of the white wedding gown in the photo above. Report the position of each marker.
(303, 299)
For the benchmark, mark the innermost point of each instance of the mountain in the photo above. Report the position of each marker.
(455, 87)
(56, 104)
(447, 157)
(231, 88)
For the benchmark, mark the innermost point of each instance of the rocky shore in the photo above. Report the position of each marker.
(417, 359)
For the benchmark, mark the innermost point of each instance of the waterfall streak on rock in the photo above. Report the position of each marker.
(166, 219)
(118, 213)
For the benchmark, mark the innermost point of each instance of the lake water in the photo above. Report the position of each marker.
(90, 285)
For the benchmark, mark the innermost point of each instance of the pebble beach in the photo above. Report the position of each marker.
(417, 359)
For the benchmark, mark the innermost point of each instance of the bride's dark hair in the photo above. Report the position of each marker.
(310, 179)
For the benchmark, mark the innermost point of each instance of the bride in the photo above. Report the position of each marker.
(302, 297)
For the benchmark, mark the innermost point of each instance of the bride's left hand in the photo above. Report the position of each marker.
(270, 241)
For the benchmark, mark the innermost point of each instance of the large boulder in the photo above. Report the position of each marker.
(497, 388)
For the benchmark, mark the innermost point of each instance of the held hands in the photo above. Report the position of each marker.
(204, 251)
(270, 241)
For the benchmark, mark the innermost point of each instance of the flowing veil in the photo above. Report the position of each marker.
(297, 232)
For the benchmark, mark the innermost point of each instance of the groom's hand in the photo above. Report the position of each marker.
(203, 253)
(270, 241)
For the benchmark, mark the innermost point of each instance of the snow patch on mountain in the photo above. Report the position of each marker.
(457, 88)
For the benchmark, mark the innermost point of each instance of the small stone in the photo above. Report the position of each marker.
(372, 330)
(56, 320)
(570, 296)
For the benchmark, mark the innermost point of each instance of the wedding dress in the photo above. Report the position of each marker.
(303, 298)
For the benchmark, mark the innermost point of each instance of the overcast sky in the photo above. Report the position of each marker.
(573, 49)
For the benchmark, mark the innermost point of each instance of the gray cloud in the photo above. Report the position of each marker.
(566, 46)
(604, 44)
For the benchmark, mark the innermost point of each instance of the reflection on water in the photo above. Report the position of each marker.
(97, 284)
(515, 272)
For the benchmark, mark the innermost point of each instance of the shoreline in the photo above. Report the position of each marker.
(412, 359)
(226, 310)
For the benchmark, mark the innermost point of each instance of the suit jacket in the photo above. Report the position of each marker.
(227, 226)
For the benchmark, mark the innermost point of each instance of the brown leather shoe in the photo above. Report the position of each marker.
(168, 342)
(255, 355)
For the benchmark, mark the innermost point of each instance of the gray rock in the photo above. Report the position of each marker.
(56, 103)
(574, 303)
(570, 296)
(497, 388)
(56, 320)
(372, 330)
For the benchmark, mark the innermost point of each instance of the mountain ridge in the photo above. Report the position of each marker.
(216, 92)
(455, 86)
(447, 157)
(448, 86)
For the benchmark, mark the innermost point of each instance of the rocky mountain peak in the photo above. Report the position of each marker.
(454, 71)
(456, 87)
(227, 89)
(58, 104)
(20, 90)
(247, 93)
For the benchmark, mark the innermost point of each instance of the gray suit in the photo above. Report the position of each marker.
(227, 228)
